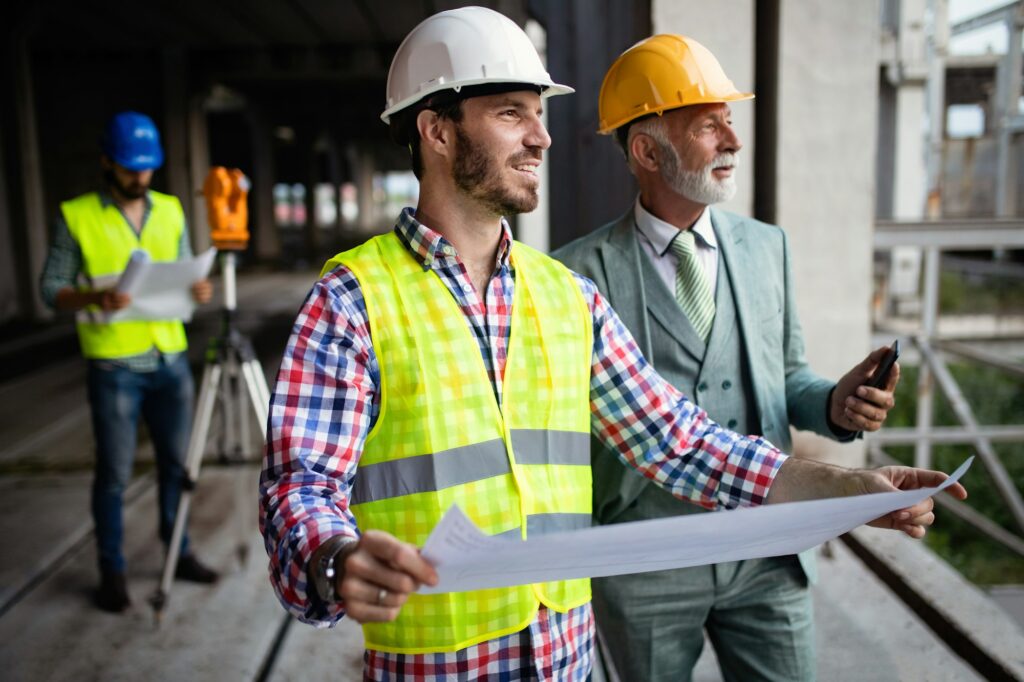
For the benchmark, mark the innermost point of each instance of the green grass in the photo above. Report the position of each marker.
(995, 399)
(959, 294)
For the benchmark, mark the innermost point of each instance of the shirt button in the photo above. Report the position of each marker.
(731, 424)
(703, 386)
(448, 250)
(727, 384)
(468, 288)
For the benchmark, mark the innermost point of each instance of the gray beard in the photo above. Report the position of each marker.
(698, 186)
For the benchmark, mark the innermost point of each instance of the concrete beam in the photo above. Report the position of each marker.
(964, 617)
(982, 20)
(950, 234)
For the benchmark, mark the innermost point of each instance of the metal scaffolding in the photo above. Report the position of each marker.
(934, 238)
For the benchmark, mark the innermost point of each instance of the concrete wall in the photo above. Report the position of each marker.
(828, 94)
(725, 27)
(825, 167)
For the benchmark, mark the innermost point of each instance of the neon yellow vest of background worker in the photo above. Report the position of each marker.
(107, 241)
(441, 439)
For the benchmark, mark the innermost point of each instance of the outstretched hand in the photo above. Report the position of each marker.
(378, 576)
(913, 521)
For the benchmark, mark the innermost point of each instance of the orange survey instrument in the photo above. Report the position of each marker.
(225, 191)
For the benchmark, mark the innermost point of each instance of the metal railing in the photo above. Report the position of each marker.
(933, 238)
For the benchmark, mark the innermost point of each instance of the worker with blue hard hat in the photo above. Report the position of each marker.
(133, 366)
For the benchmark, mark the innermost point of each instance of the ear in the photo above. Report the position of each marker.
(644, 152)
(435, 132)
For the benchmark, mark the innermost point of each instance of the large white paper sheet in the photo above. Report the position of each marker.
(161, 291)
(466, 559)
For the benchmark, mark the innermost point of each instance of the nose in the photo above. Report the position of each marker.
(537, 137)
(730, 140)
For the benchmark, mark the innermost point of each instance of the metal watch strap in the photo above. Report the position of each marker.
(324, 571)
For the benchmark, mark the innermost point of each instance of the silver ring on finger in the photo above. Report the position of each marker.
(381, 596)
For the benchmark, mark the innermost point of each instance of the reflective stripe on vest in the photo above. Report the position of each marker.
(441, 439)
(107, 240)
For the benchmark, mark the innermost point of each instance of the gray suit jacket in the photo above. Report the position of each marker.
(785, 389)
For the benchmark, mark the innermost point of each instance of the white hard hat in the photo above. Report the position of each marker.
(460, 47)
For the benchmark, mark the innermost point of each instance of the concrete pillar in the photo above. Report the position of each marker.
(199, 166)
(363, 178)
(9, 307)
(1008, 93)
(726, 28)
(828, 89)
(909, 195)
(175, 127)
(36, 240)
(261, 195)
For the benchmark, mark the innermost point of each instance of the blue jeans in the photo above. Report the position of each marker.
(118, 396)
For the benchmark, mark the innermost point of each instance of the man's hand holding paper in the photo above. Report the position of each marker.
(890, 497)
(163, 290)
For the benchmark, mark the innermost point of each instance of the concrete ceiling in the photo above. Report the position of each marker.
(219, 24)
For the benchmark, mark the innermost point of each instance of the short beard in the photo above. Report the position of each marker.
(478, 176)
(700, 186)
(134, 191)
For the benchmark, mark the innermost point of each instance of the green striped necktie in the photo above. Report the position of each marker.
(692, 291)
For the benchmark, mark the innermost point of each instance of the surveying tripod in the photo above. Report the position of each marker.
(231, 374)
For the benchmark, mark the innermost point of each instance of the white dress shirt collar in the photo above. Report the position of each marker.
(661, 233)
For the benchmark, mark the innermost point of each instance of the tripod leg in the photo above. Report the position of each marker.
(193, 460)
(259, 394)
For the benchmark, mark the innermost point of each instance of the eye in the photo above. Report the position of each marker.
(510, 113)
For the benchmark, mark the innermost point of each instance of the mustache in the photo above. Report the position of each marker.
(526, 155)
(725, 159)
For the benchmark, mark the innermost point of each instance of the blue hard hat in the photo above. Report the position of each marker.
(131, 140)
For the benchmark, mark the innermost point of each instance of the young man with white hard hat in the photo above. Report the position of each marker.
(740, 355)
(444, 363)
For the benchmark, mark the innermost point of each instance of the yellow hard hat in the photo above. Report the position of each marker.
(660, 73)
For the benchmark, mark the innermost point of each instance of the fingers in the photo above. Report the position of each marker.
(873, 359)
(202, 291)
(894, 378)
(400, 555)
(114, 300)
(380, 575)
(866, 414)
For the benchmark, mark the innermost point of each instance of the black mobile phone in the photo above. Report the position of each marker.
(881, 375)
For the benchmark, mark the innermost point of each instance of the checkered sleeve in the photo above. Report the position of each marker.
(63, 263)
(660, 432)
(320, 412)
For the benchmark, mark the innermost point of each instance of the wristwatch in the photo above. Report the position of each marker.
(324, 571)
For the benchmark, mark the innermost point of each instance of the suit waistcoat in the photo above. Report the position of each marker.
(719, 381)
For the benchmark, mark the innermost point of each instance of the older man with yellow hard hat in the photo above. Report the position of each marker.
(709, 297)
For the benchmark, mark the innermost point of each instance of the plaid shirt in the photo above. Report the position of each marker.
(326, 401)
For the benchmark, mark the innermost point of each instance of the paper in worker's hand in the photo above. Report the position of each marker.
(133, 272)
(466, 559)
(161, 290)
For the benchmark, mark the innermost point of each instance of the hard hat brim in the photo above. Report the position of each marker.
(139, 163)
(549, 89)
(610, 128)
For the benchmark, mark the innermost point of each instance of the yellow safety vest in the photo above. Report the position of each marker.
(107, 241)
(441, 439)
